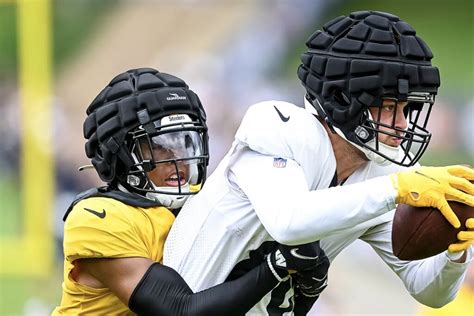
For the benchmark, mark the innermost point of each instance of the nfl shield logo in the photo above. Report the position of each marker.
(279, 162)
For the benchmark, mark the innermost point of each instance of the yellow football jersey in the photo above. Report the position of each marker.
(100, 227)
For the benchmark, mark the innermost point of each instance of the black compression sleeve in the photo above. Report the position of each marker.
(303, 304)
(162, 291)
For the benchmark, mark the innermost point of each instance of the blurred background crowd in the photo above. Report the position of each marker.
(232, 53)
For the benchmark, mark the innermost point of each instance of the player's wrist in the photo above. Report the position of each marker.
(392, 187)
(456, 256)
(394, 180)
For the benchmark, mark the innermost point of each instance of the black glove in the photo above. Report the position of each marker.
(311, 282)
(298, 258)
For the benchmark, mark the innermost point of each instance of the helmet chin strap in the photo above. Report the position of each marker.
(169, 200)
(388, 151)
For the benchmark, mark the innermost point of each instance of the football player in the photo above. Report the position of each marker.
(147, 139)
(332, 171)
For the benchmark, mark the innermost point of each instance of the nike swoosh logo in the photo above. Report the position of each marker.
(98, 214)
(424, 175)
(319, 280)
(283, 118)
(295, 254)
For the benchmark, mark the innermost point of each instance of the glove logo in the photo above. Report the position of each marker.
(295, 254)
(324, 278)
(280, 259)
(424, 175)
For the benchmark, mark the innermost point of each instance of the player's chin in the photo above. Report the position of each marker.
(394, 142)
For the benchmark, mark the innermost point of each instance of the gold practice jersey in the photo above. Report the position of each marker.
(100, 227)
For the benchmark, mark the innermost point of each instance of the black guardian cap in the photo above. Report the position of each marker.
(129, 112)
(356, 62)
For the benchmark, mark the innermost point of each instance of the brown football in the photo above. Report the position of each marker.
(422, 232)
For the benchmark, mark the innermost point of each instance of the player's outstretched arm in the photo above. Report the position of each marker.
(150, 288)
(162, 291)
(434, 187)
(169, 293)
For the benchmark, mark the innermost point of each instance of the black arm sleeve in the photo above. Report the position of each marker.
(162, 291)
(303, 304)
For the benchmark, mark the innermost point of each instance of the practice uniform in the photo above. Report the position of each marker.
(101, 227)
(273, 186)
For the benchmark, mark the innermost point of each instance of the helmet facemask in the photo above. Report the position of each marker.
(170, 162)
(408, 144)
(367, 133)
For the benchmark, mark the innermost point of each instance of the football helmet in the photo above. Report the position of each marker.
(356, 63)
(146, 133)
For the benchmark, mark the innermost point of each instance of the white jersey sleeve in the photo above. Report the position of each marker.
(297, 213)
(433, 282)
(292, 214)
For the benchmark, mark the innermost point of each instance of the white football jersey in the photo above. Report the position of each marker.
(273, 186)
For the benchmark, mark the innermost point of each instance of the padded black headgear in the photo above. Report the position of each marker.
(133, 98)
(355, 61)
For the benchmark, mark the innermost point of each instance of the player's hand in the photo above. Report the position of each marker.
(311, 282)
(434, 187)
(286, 259)
(465, 238)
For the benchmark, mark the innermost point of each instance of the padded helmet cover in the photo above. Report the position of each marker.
(133, 98)
(355, 61)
